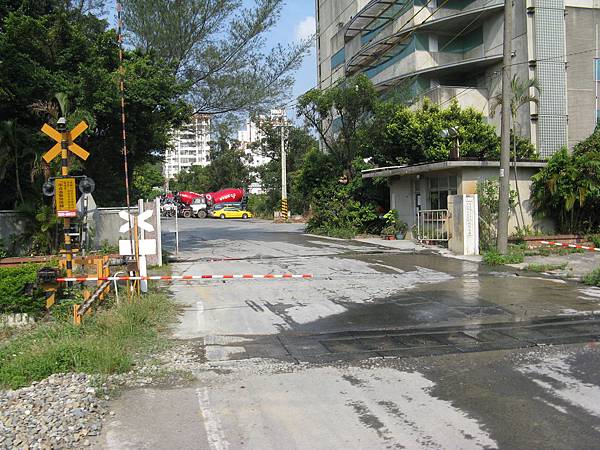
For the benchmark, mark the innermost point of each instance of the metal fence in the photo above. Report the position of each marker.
(432, 225)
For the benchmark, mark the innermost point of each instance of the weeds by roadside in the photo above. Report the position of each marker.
(553, 251)
(494, 258)
(340, 233)
(106, 343)
(545, 267)
(592, 278)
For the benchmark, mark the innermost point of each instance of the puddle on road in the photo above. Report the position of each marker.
(475, 294)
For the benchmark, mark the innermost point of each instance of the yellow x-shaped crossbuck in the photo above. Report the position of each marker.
(71, 136)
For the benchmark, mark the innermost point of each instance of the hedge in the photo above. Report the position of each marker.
(17, 290)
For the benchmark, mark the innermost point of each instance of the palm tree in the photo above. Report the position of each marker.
(520, 96)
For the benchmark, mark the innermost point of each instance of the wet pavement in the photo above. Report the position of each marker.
(382, 349)
(356, 287)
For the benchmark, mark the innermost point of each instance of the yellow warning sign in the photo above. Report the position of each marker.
(66, 197)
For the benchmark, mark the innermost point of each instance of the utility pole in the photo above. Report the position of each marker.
(284, 198)
(504, 206)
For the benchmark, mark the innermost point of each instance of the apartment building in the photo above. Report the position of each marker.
(250, 135)
(452, 49)
(189, 146)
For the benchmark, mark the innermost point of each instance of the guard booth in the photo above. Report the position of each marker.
(438, 200)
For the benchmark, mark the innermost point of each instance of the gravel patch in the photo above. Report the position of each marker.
(62, 411)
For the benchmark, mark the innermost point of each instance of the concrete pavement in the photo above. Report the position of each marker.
(327, 363)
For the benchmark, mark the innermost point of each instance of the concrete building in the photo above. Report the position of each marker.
(452, 49)
(250, 135)
(189, 146)
(428, 187)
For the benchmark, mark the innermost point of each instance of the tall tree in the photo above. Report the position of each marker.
(196, 179)
(217, 48)
(337, 113)
(228, 162)
(298, 142)
(75, 54)
(9, 154)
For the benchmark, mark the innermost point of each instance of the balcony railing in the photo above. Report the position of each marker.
(370, 51)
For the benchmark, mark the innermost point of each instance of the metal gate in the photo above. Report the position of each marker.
(432, 225)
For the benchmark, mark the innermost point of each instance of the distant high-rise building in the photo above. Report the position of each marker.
(190, 146)
(252, 134)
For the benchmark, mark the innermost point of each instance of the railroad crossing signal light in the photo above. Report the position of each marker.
(71, 136)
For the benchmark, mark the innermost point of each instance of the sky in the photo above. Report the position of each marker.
(298, 22)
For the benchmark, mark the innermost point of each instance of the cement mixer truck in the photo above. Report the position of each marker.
(197, 205)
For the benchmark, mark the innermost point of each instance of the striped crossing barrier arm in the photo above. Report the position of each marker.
(583, 247)
(184, 277)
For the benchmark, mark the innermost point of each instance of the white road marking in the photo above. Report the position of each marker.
(214, 433)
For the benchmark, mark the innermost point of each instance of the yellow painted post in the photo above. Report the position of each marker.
(50, 294)
(64, 144)
(64, 156)
(106, 271)
(76, 317)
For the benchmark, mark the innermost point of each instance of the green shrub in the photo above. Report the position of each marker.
(567, 189)
(15, 282)
(340, 233)
(592, 278)
(336, 208)
(595, 240)
(261, 205)
(489, 200)
(494, 258)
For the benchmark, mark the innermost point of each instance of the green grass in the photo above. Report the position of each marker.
(592, 278)
(106, 343)
(6, 332)
(494, 258)
(553, 251)
(545, 267)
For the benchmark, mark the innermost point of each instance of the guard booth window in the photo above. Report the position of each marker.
(440, 188)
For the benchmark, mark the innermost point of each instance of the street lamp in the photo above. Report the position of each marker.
(452, 133)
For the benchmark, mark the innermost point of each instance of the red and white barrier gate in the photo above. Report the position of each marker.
(185, 277)
(583, 247)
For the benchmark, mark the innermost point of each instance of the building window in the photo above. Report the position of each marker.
(440, 188)
(338, 59)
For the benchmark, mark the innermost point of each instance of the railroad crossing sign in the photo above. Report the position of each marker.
(145, 246)
(66, 197)
(57, 136)
(141, 221)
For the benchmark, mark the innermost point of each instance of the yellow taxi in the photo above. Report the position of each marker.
(232, 212)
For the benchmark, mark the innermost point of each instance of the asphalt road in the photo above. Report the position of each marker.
(382, 349)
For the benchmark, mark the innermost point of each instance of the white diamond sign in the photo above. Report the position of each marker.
(141, 219)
